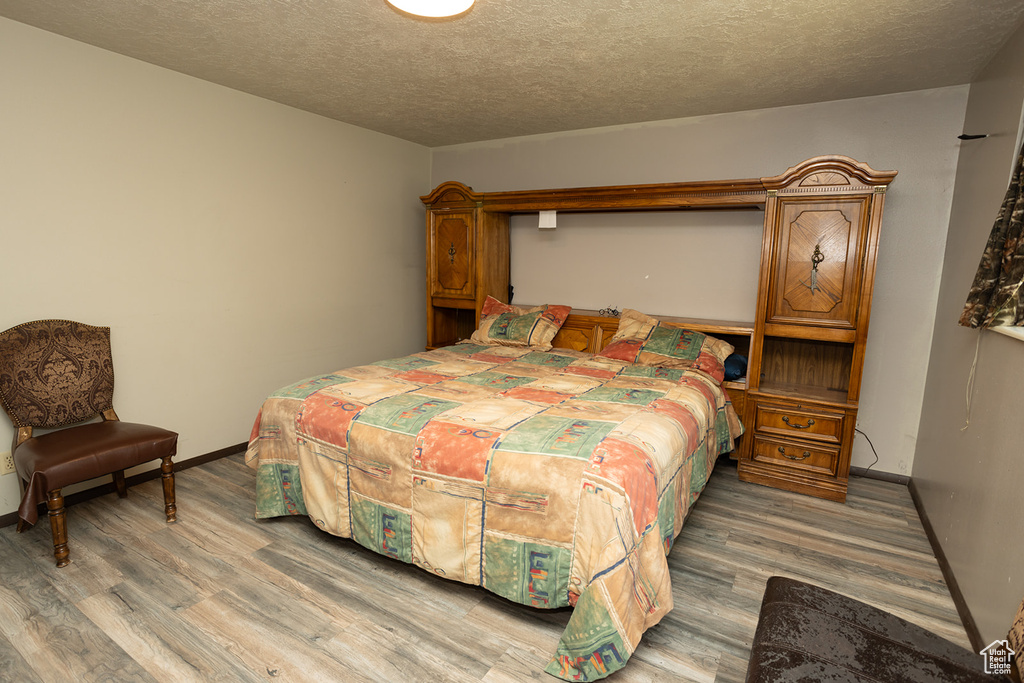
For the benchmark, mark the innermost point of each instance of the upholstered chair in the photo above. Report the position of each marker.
(58, 376)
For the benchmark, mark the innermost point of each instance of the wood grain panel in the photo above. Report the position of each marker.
(14, 666)
(287, 601)
(798, 456)
(798, 422)
(704, 194)
(159, 640)
(451, 248)
(578, 336)
(49, 632)
(809, 363)
(818, 263)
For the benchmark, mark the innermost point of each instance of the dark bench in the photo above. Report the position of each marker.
(807, 633)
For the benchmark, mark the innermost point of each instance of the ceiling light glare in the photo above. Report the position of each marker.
(432, 8)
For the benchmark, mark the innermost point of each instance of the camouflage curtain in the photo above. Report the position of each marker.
(994, 295)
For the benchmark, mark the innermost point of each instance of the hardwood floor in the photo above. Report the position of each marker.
(221, 596)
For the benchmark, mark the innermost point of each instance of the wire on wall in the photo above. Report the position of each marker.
(970, 383)
(872, 449)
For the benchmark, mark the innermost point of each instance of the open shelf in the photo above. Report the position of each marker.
(451, 325)
(795, 367)
(804, 391)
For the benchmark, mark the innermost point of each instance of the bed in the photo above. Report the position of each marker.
(549, 476)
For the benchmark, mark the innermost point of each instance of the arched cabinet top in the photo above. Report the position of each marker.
(831, 172)
(454, 195)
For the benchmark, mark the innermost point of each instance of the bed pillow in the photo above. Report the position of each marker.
(507, 325)
(644, 340)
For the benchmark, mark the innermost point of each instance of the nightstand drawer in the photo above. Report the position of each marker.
(796, 455)
(798, 422)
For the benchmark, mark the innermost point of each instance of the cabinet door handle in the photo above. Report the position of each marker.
(452, 252)
(802, 456)
(810, 421)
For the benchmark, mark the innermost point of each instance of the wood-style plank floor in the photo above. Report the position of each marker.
(221, 596)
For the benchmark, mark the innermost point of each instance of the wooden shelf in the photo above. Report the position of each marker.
(815, 332)
(738, 384)
(833, 397)
(735, 194)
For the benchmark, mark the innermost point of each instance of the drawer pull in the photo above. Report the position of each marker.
(810, 421)
(803, 456)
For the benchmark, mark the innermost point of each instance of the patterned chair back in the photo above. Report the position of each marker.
(55, 373)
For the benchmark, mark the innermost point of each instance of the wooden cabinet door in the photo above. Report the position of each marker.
(817, 270)
(452, 254)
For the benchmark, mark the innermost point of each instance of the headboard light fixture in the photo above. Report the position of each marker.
(547, 220)
(434, 9)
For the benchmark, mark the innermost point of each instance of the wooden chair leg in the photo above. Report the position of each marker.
(122, 488)
(59, 526)
(167, 475)
(21, 492)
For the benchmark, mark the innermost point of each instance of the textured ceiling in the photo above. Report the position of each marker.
(519, 67)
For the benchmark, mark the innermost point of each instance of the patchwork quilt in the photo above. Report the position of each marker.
(550, 478)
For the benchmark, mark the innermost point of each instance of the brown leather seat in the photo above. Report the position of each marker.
(56, 373)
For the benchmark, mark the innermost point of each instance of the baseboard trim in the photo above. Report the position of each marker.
(973, 634)
(901, 479)
(103, 489)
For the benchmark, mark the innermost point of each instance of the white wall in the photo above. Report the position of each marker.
(656, 258)
(913, 133)
(232, 244)
(970, 480)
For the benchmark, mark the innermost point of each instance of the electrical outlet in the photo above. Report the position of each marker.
(6, 463)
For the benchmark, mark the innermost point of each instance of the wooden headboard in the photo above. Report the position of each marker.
(819, 245)
(589, 331)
